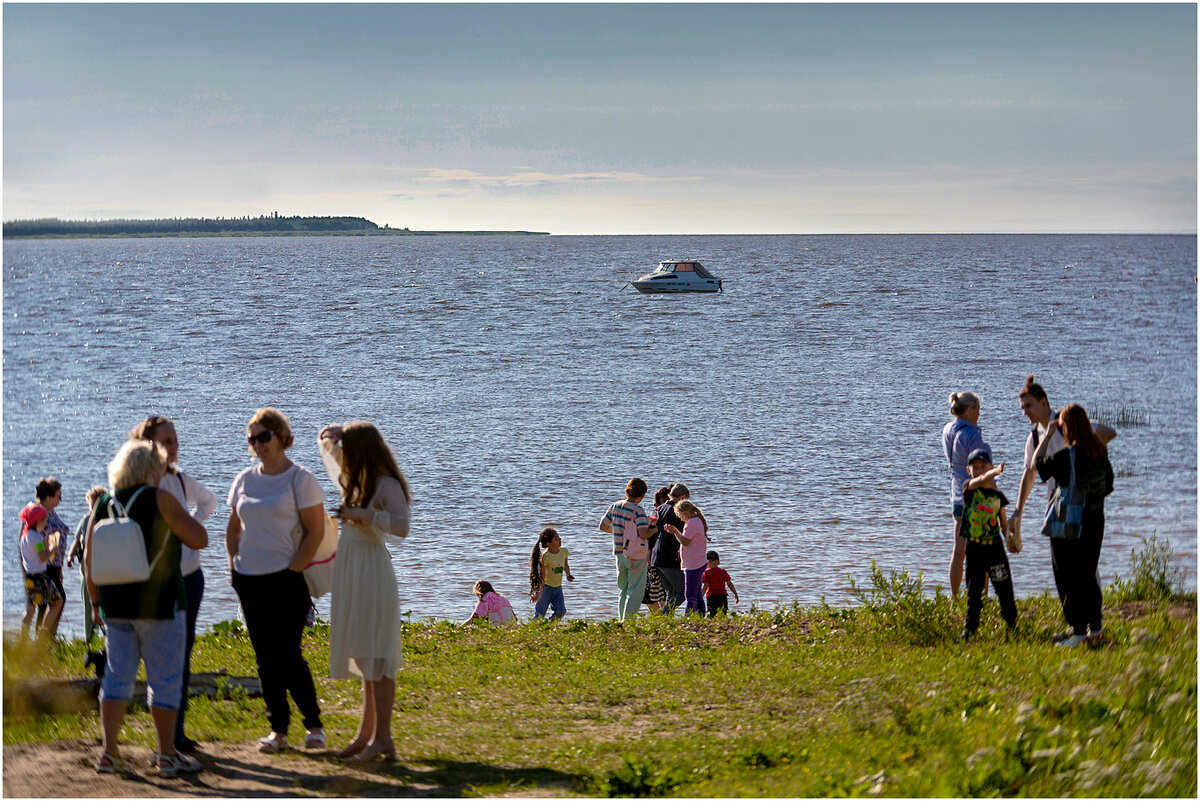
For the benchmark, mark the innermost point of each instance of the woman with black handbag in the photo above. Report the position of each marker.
(1083, 466)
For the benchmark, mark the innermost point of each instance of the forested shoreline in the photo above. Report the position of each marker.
(265, 225)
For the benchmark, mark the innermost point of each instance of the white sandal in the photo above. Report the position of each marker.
(273, 743)
(174, 764)
(315, 740)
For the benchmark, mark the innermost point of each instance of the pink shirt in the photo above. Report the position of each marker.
(695, 553)
(495, 608)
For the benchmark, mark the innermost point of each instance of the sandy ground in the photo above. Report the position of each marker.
(64, 769)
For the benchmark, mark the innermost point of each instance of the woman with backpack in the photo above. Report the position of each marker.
(269, 504)
(145, 621)
(631, 528)
(1083, 464)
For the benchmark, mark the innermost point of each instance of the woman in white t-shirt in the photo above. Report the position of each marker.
(276, 520)
(197, 498)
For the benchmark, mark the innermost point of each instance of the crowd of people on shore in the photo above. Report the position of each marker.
(147, 609)
(1069, 453)
(278, 524)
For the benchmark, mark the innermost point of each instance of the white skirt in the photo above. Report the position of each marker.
(364, 638)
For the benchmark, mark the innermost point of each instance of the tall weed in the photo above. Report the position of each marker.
(1152, 578)
(897, 603)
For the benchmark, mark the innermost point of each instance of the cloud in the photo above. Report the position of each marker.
(530, 178)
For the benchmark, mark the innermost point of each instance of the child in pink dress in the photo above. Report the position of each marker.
(492, 607)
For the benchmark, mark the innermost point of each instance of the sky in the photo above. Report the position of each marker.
(608, 119)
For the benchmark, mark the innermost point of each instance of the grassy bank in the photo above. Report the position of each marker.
(802, 702)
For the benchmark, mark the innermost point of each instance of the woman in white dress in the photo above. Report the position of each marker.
(364, 637)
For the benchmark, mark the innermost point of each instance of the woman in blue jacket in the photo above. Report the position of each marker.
(960, 437)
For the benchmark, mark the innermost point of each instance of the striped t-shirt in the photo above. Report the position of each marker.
(618, 515)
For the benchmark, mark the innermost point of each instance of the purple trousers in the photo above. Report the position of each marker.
(691, 589)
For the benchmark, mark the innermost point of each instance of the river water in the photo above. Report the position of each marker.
(521, 385)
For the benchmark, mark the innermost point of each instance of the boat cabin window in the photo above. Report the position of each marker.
(683, 267)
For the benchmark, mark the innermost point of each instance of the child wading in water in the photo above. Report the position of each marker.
(984, 526)
(546, 572)
(492, 607)
(713, 581)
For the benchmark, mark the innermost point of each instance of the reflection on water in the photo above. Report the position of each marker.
(520, 386)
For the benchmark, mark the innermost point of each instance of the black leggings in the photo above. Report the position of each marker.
(1075, 565)
(275, 606)
(193, 585)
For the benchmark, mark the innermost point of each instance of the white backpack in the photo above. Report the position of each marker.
(119, 548)
(636, 548)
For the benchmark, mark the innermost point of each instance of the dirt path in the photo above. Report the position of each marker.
(64, 770)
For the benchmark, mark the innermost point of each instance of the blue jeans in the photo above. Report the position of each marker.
(158, 643)
(551, 597)
(631, 580)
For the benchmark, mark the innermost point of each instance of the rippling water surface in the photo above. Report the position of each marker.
(520, 386)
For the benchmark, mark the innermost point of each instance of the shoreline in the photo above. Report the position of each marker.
(797, 703)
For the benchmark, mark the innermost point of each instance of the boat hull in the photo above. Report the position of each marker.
(672, 287)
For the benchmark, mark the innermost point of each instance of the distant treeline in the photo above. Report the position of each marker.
(267, 225)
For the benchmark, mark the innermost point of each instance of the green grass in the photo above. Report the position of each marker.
(799, 702)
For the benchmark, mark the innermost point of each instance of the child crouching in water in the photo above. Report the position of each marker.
(985, 527)
(546, 571)
(492, 607)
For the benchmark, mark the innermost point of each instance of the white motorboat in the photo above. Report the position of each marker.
(678, 276)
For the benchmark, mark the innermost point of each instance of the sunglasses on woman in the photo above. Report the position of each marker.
(262, 437)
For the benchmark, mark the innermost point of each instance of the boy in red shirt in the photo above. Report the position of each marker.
(713, 584)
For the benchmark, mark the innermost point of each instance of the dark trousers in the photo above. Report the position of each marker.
(718, 602)
(193, 584)
(988, 562)
(275, 607)
(1075, 564)
(672, 578)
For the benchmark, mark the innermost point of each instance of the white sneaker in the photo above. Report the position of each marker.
(1073, 641)
(273, 743)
